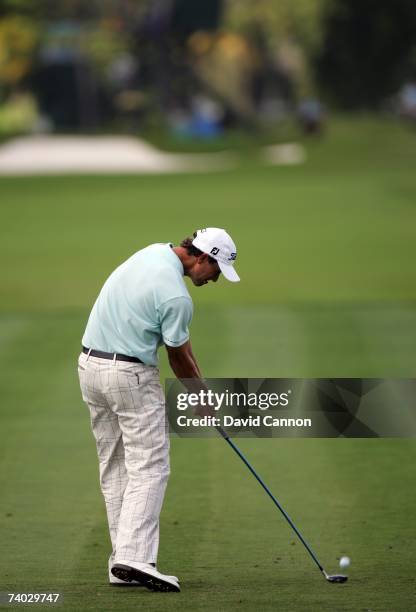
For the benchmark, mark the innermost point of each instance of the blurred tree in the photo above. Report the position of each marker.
(301, 20)
(224, 63)
(18, 39)
(292, 33)
(104, 41)
(49, 10)
(368, 51)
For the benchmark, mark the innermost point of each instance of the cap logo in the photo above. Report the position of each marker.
(214, 251)
(232, 257)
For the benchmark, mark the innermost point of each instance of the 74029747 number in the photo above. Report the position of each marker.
(27, 598)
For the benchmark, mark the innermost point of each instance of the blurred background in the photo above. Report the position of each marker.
(199, 70)
(292, 125)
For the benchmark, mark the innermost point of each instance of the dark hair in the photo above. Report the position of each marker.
(192, 250)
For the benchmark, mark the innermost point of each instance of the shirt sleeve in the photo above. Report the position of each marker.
(175, 316)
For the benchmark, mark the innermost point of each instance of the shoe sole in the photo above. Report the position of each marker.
(127, 574)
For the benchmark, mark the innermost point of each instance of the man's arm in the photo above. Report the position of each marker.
(186, 369)
(183, 362)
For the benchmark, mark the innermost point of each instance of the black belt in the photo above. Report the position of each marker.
(113, 356)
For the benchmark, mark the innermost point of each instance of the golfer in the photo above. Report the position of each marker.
(142, 305)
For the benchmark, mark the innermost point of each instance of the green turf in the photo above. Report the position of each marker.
(326, 253)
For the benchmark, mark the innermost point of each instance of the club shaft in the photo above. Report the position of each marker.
(270, 494)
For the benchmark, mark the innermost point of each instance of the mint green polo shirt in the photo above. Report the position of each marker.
(143, 304)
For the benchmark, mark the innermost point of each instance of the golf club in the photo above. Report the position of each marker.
(339, 578)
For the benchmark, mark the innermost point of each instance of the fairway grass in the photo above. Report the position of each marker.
(326, 257)
(219, 531)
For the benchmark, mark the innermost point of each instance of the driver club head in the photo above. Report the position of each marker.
(336, 578)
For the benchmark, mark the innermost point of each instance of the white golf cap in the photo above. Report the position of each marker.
(218, 244)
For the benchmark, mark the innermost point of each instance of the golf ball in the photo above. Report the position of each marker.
(344, 562)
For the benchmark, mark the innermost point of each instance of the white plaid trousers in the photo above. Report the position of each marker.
(128, 420)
